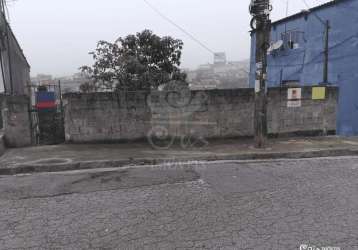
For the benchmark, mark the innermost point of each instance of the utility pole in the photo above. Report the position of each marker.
(326, 52)
(6, 34)
(261, 23)
(9, 59)
(327, 27)
(2, 6)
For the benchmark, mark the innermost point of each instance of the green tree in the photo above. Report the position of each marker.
(143, 61)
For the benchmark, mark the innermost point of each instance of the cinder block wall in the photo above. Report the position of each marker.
(106, 117)
(312, 116)
(210, 114)
(16, 121)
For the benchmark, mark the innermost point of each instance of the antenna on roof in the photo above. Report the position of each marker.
(287, 8)
(286, 14)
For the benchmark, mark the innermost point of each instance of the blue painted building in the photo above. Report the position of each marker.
(300, 58)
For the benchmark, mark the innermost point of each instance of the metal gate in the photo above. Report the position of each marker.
(47, 115)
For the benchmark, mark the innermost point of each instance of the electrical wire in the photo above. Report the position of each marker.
(312, 61)
(318, 62)
(156, 10)
(319, 54)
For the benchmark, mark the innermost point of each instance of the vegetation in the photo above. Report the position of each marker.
(143, 61)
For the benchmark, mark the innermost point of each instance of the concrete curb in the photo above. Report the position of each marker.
(82, 165)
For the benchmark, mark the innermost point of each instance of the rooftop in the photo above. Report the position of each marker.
(302, 13)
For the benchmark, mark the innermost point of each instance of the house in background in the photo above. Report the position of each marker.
(222, 74)
(14, 68)
(297, 57)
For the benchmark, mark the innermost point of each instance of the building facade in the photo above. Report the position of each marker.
(14, 68)
(296, 56)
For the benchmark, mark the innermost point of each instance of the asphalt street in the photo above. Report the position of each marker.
(279, 204)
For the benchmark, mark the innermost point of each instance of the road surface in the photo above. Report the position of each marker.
(282, 204)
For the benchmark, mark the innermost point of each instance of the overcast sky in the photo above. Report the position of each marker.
(56, 36)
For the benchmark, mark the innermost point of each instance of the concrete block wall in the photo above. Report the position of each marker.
(102, 117)
(16, 121)
(106, 117)
(210, 114)
(312, 116)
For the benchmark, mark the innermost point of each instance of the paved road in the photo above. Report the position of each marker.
(223, 205)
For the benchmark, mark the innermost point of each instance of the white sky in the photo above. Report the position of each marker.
(56, 36)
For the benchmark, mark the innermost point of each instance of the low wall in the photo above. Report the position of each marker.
(209, 114)
(311, 116)
(106, 117)
(16, 121)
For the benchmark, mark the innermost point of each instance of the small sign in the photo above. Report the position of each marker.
(294, 97)
(318, 93)
(257, 86)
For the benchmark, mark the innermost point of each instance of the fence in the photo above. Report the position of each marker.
(108, 117)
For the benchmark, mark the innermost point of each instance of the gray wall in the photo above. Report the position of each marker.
(16, 120)
(210, 113)
(106, 116)
(312, 116)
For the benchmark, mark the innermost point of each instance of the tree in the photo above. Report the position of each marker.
(88, 87)
(143, 61)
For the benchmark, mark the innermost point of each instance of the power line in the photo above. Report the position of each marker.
(178, 26)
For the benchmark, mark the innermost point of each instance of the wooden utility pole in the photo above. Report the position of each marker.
(261, 23)
(2, 6)
(326, 52)
(327, 27)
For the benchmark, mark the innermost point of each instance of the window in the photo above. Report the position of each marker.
(293, 39)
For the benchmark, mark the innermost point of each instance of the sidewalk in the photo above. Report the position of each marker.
(75, 157)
